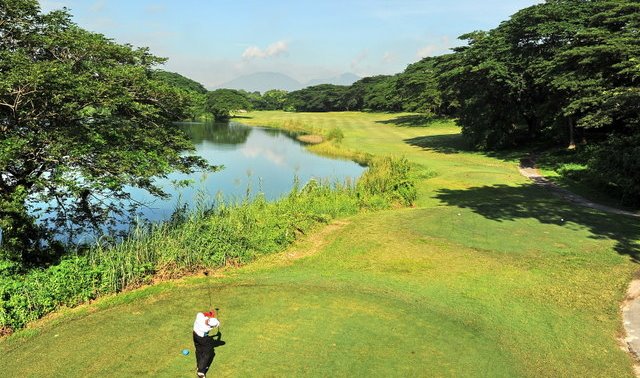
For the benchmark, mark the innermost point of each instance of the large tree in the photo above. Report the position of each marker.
(222, 102)
(81, 119)
(417, 87)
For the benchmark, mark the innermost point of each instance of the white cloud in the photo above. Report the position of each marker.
(361, 57)
(259, 152)
(274, 49)
(388, 57)
(426, 51)
(435, 48)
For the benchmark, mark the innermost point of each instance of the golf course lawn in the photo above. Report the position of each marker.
(487, 275)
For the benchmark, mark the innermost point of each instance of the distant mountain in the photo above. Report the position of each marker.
(344, 79)
(263, 81)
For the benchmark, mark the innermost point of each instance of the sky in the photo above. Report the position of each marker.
(215, 41)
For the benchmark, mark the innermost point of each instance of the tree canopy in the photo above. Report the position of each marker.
(221, 102)
(320, 98)
(179, 81)
(81, 119)
(561, 68)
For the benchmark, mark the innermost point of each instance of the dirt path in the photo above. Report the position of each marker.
(631, 321)
(528, 169)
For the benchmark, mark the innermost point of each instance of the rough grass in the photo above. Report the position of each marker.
(487, 276)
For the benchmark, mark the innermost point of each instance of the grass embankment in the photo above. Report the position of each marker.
(488, 275)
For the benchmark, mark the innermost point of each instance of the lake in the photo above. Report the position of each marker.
(258, 159)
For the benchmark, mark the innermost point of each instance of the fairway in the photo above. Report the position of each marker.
(487, 275)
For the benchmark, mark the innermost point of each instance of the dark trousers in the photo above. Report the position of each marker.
(204, 352)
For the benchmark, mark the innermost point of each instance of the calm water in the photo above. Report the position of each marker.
(264, 160)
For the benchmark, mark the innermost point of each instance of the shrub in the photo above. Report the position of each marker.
(335, 134)
(388, 178)
(29, 297)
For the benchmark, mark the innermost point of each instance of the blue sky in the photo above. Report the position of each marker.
(215, 41)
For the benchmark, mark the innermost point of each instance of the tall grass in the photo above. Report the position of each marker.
(204, 238)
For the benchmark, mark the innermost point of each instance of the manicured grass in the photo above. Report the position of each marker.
(487, 275)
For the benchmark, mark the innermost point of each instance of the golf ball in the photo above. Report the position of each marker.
(185, 351)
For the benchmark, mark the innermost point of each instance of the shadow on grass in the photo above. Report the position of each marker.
(416, 120)
(506, 203)
(445, 143)
(456, 143)
(217, 342)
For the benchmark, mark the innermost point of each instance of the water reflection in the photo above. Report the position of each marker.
(254, 159)
(218, 133)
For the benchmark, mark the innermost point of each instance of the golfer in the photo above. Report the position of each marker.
(203, 341)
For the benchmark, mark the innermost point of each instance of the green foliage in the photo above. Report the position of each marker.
(27, 298)
(555, 70)
(192, 90)
(176, 80)
(275, 99)
(227, 234)
(417, 88)
(376, 93)
(81, 119)
(335, 135)
(222, 102)
(388, 178)
(616, 165)
(320, 98)
(382, 96)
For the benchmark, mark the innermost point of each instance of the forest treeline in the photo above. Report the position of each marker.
(565, 72)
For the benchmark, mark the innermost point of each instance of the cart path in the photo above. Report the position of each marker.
(631, 321)
(528, 169)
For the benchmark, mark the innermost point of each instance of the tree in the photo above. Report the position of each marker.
(274, 99)
(190, 88)
(598, 71)
(81, 119)
(485, 90)
(179, 81)
(382, 95)
(417, 87)
(374, 93)
(320, 98)
(221, 102)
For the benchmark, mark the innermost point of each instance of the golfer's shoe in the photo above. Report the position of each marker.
(201, 375)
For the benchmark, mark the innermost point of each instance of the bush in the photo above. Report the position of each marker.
(388, 179)
(29, 297)
(335, 134)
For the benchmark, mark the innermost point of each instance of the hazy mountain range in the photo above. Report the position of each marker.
(263, 81)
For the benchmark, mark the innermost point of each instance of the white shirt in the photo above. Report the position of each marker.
(200, 326)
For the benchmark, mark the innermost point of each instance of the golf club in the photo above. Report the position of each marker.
(218, 317)
(208, 289)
